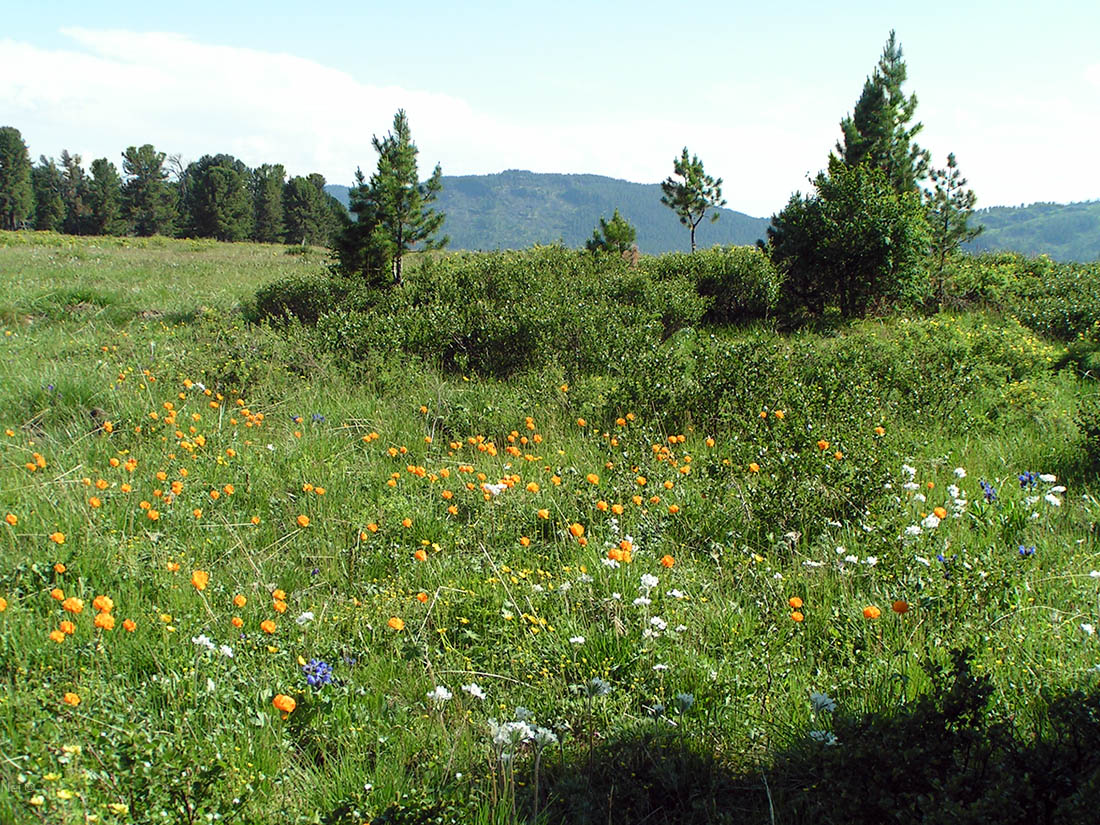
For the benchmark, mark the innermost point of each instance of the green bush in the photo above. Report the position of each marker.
(739, 282)
(305, 297)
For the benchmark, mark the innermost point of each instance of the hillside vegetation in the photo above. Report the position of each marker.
(540, 537)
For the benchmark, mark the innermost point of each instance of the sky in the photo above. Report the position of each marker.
(757, 90)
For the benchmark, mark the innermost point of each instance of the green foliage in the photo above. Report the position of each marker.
(691, 197)
(616, 236)
(302, 297)
(49, 208)
(266, 184)
(396, 205)
(306, 210)
(950, 208)
(215, 198)
(16, 190)
(852, 243)
(739, 282)
(1088, 425)
(1065, 232)
(104, 195)
(147, 202)
(877, 132)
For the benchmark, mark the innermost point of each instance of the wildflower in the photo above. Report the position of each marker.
(422, 597)
(279, 606)
(667, 561)
(11, 519)
(67, 627)
(3, 604)
(1027, 551)
(827, 738)
(304, 618)
(871, 612)
(754, 467)
(199, 579)
(237, 622)
(406, 523)
(284, 703)
(103, 604)
(577, 530)
(202, 641)
(71, 699)
(239, 600)
(1053, 500)
(797, 616)
(880, 431)
(57, 636)
(1048, 478)
(396, 623)
(303, 521)
(649, 580)
(129, 625)
(226, 651)
(931, 521)
(900, 607)
(73, 605)
(822, 703)
(1088, 628)
(1027, 479)
(474, 690)
(58, 594)
(592, 478)
(268, 626)
(823, 445)
(795, 602)
(576, 640)
(317, 672)
(172, 567)
(439, 695)
(939, 512)
(57, 538)
(105, 621)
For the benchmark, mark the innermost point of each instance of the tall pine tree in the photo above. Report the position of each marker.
(694, 195)
(401, 201)
(267, 183)
(878, 132)
(16, 191)
(148, 203)
(105, 199)
(49, 207)
(950, 206)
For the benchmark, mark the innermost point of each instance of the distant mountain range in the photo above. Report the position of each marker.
(515, 209)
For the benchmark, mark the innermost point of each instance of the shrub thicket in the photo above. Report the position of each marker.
(740, 281)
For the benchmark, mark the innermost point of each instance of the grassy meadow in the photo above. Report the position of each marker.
(738, 576)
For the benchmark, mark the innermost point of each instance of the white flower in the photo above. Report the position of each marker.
(576, 640)
(851, 559)
(439, 695)
(474, 690)
(610, 563)
(537, 588)
(809, 563)
(920, 497)
(493, 489)
(1058, 489)
(543, 737)
(680, 628)
(1053, 500)
(1088, 628)
(584, 578)
(824, 736)
(960, 472)
(1048, 478)
(1031, 501)
(565, 587)
(271, 447)
(912, 530)
(840, 551)
(649, 580)
(676, 594)
(226, 651)
(659, 667)
(922, 560)
(952, 490)
(642, 601)
(202, 641)
(911, 485)
(305, 618)
(616, 596)
(909, 471)
(871, 561)
(822, 702)
(931, 521)
(1095, 574)
(658, 622)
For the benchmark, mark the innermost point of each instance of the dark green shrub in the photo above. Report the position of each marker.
(1088, 423)
(739, 282)
(305, 297)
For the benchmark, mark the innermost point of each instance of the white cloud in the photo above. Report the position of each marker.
(112, 89)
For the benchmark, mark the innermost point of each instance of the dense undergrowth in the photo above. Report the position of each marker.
(536, 538)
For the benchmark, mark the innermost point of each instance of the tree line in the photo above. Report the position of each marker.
(217, 196)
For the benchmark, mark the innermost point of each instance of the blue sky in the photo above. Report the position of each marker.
(610, 88)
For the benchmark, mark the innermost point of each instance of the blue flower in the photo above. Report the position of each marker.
(318, 418)
(1027, 551)
(988, 491)
(318, 673)
(1027, 479)
(297, 419)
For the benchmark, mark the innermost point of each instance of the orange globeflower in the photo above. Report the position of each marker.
(284, 703)
(667, 561)
(57, 636)
(255, 519)
(279, 594)
(900, 606)
(57, 593)
(592, 478)
(237, 621)
(103, 604)
(422, 597)
(105, 621)
(754, 467)
(279, 605)
(239, 600)
(12, 519)
(199, 579)
(797, 616)
(406, 522)
(268, 626)
(420, 555)
(129, 625)
(795, 602)
(871, 612)
(71, 699)
(57, 538)
(823, 445)
(303, 521)
(3, 604)
(73, 605)
(59, 568)
(172, 566)
(940, 512)
(95, 503)
(673, 509)
(67, 627)
(576, 529)
(524, 541)
(543, 514)
(880, 431)
(396, 623)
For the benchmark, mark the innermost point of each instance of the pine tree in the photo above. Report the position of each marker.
(16, 191)
(694, 195)
(616, 235)
(267, 201)
(950, 206)
(105, 199)
(401, 201)
(306, 212)
(878, 133)
(148, 203)
(49, 208)
(74, 190)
